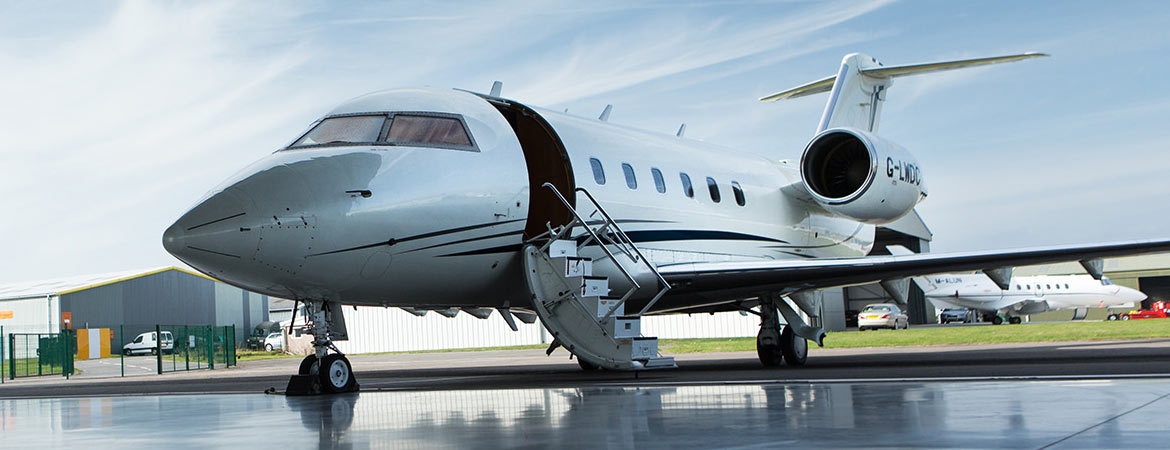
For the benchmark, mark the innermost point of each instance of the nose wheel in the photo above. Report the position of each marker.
(322, 372)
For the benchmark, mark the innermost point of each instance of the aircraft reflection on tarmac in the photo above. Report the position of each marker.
(902, 414)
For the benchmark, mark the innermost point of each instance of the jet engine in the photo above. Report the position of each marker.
(856, 174)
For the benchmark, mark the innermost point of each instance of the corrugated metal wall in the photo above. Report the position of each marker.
(171, 297)
(30, 315)
(375, 330)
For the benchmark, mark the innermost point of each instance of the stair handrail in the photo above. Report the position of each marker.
(641, 258)
(590, 230)
(623, 242)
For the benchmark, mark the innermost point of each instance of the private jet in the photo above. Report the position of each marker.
(1027, 295)
(450, 200)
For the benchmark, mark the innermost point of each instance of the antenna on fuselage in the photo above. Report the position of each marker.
(604, 117)
(497, 87)
(681, 130)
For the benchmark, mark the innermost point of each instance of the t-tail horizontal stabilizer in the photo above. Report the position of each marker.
(858, 89)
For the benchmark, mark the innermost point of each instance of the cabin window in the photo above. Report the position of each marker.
(1018, 288)
(598, 171)
(343, 130)
(428, 130)
(1029, 286)
(631, 182)
(659, 183)
(738, 191)
(713, 189)
(686, 182)
(1066, 285)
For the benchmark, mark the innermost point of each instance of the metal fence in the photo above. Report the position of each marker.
(196, 347)
(170, 348)
(39, 354)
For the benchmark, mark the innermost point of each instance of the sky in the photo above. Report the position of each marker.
(117, 116)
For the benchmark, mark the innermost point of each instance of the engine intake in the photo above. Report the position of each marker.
(842, 170)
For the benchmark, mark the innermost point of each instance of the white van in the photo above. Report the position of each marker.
(146, 343)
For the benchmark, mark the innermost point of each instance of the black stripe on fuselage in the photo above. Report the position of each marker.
(393, 241)
(644, 236)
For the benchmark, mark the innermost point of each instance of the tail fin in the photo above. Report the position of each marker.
(860, 85)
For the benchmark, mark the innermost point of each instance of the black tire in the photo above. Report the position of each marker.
(308, 365)
(795, 348)
(126, 352)
(1125, 317)
(586, 365)
(337, 375)
(268, 347)
(1015, 320)
(770, 355)
(1113, 317)
(996, 320)
(153, 351)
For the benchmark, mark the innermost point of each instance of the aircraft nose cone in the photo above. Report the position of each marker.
(174, 239)
(214, 235)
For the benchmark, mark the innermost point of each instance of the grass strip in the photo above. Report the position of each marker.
(956, 335)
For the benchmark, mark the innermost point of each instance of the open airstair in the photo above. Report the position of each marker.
(576, 306)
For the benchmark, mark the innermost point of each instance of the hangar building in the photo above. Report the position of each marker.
(137, 299)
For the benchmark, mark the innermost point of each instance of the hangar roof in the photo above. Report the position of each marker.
(58, 286)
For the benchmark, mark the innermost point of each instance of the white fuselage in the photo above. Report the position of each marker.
(416, 226)
(1027, 294)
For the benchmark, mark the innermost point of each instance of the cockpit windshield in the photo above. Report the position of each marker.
(407, 129)
(344, 130)
(410, 129)
(1105, 281)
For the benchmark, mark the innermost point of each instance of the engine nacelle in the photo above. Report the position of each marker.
(861, 176)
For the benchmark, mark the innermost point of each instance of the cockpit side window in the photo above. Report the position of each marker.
(343, 130)
(438, 131)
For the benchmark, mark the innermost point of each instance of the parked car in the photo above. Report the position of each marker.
(260, 334)
(274, 341)
(949, 315)
(882, 315)
(147, 343)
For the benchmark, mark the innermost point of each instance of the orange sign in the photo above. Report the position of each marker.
(67, 319)
(5, 314)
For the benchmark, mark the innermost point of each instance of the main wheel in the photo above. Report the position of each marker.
(336, 374)
(996, 320)
(769, 353)
(308, 365)
(795, 348)
(1015, 320)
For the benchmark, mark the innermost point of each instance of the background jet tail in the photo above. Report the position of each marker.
(859, 88)
(923, 283)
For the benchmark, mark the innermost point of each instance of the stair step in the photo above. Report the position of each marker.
(605, 303)
(594, 286)
(644, 348)
(624, 326)
(578, 266)
(562, 247)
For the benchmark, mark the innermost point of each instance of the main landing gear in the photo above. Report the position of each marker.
(774, 344)
(324, 372)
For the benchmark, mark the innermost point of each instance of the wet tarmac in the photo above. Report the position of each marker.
(1019, 414)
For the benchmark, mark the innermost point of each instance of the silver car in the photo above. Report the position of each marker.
(882, 315)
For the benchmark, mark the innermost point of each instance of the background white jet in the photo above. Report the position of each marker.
(1027, 295)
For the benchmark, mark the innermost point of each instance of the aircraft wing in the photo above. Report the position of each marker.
(736, 280)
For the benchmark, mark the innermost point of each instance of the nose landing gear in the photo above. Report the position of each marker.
(324, 372)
